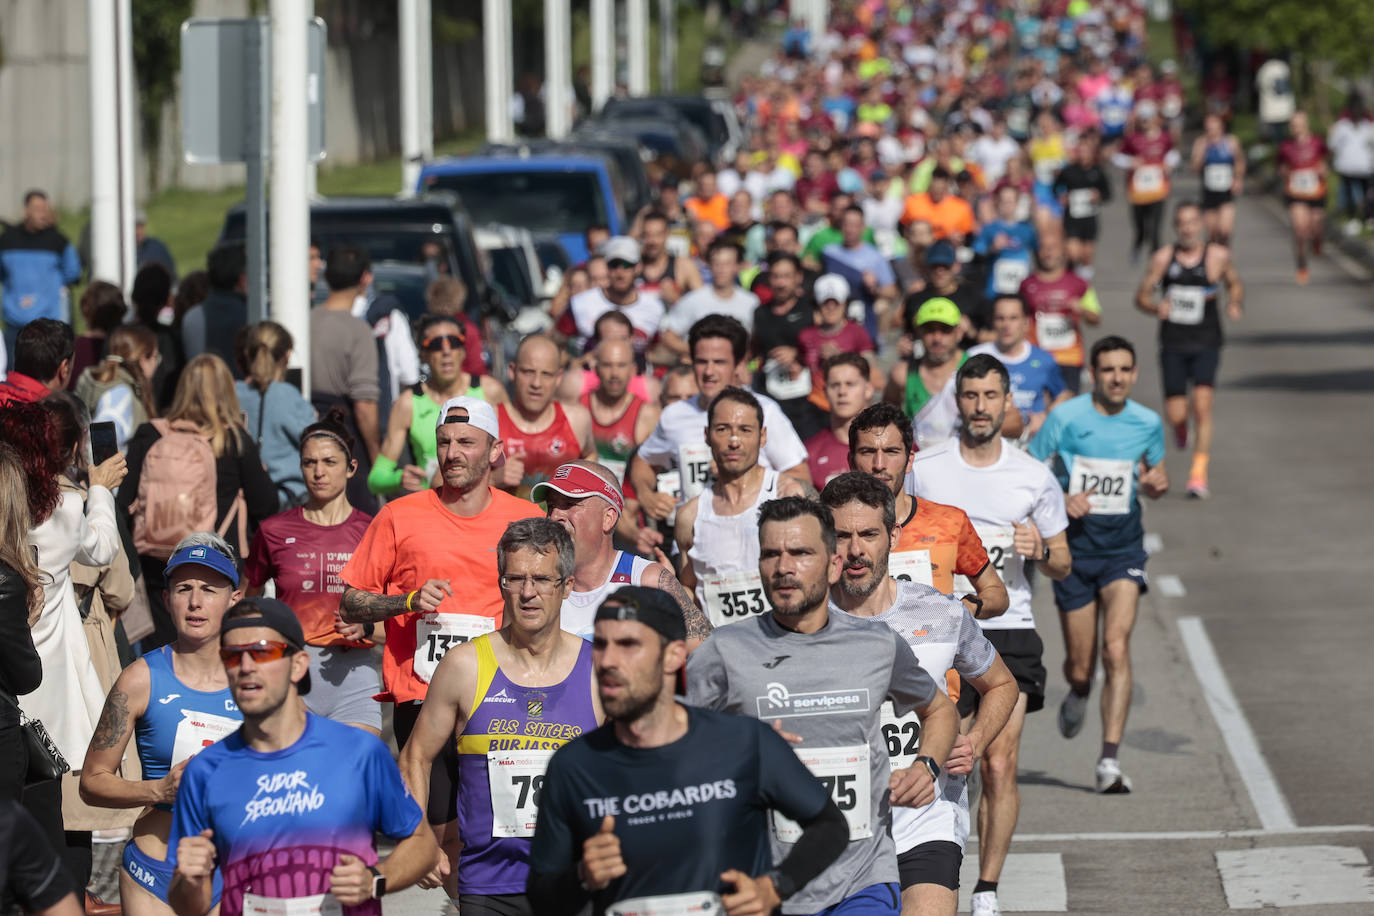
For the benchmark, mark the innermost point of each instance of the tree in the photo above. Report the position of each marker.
(157, 62)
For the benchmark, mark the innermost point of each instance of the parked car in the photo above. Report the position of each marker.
(624, 155)
(716, 121)
(671, 139)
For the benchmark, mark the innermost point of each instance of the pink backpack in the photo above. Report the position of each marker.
(177, 492)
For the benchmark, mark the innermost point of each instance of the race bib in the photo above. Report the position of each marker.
(1007, 274)
(844, 771)
(782, 386)
(700, 903)
(1083, 203)
(435, 634)
(1018, 120)
(678, 245)
(1047, 169)
(902, 734)
(1000, 543)
(1218, 177)
(1304, 183)
(198, 730)
(1172, 107)
(515, 779)
(670, 482)
(731, 597)
(1112, 478)
(911, 566)
(317, 905)
(694, 464)
(1055, 330)
(1187, 304)
(1148, 181)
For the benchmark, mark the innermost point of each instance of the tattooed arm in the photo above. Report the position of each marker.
(101, 784)
(698, 627)
(358, 606)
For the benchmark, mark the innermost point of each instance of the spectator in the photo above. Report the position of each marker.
(210, 326)
(207, 405)
(117, 389)
(21, 601)
(1351, 140)
(102, 309)
(42, 361)
(193, 289)
(37, 264)
(274, 411)
(151, 250)
(155, 309)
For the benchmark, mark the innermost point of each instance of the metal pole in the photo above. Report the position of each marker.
(257, 101)
(128, 194)
(667, 46)
(817, 11)
(603, 52)
(496, 53)
(557, 69)
(410, 95)
(105, 254)
(290, 208)
(637, 45)
(424, 62)
(312, 168)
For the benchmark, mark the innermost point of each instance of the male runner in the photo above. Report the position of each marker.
(1180, 288)
(1059, 301)
(1017, 508)
(648, 815)
(1037, 386)
(848, 390)
(1302, 169)
(1218, 158)
(1107, 447)
(642, 305)
(286, 807)
(924, 387)
(937, 540)
(584, 498)
(621, 420)
(511, 698)
(929, 841)
(825, 680)
(538, 432)
(659, 271)
(1008, 244)
(717, 530)
(1082, 188)
(722, 297)
(420, 568)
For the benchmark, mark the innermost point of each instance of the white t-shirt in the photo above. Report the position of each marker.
(699, 303)
(645, 314)
(1014, 489)
(1276, 102)
(1352, 147)
(684, 423)
(993, 155)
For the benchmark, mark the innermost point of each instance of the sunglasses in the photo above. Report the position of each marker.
(438, 341)
(262, 653)
(620, 265)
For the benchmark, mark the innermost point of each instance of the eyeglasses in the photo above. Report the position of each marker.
(620, 265)
(437, 342)
(262, 653)
(541, 583)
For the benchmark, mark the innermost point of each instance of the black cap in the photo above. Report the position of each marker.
(274, 615)
(652, 607)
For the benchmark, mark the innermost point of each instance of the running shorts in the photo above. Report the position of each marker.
(1085, 229)
(443, 775)
(155, 875)
(936, 862)
(1023, 651)
(874, 900)
(1091, 574)
(342, 683)
(494, 905)
(1312, 204)
(1211, 200)
(1180, 368)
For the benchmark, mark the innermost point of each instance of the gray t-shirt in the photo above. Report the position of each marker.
(699, 303)
(828, 687)
(343, 356)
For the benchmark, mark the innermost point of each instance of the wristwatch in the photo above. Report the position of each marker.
(378, 883)
(781, 883)
(931, 766)
(1045, 557)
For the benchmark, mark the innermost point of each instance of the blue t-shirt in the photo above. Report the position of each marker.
(1097, 451)
(1016, 255)
(282, 819)
(1031, 378)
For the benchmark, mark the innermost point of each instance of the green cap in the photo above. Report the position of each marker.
(938, 311)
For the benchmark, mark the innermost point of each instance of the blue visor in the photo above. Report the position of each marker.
(208, 557)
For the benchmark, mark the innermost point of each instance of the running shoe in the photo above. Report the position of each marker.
(1110, 779)
(1181, 434)
(1072, 712)
(1303, 276)
(984, 903)
(1197, 488)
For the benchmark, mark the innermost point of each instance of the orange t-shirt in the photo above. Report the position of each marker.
(414, 539)
(713, 210)
(951, 216)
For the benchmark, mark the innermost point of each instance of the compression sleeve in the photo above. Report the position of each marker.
(823, 838)
(385, 476)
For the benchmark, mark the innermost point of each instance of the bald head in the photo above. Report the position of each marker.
(535, 374)
(537, 346)
(615, 366)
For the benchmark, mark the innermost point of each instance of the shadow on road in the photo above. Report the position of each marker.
(1041, 778)
(1336, 380)
(1354, 336)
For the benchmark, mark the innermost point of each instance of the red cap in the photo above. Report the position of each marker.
(579, 482)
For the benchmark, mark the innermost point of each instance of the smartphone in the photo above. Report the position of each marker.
(294, 377)
(104, 441)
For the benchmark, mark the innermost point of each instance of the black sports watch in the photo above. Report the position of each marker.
(931, 766)
(1045, 557)
(782, 884)
(977, 603)
(378, 883)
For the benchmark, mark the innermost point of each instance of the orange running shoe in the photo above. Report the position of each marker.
(1302, 276)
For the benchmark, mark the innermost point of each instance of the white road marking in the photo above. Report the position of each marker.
(1155, 836)
(1295, 876)
(1030, 882)
(1265, 794)
(1170, 586)
(1153, 543)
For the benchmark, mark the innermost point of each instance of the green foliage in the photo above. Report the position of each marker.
(157, 61)
(1336, 31)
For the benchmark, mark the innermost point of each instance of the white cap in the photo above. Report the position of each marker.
(621, 248)
(1146, 109)
(831, 286)
(479, 414)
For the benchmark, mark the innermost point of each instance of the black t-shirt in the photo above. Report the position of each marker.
(1076, 177)
(32, 874)
(684, 812)
(968, 295)
(771, 331)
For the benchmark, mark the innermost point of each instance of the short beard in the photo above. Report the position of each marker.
(973, 438)
(632, 707)
(811, 599)
(862, 590)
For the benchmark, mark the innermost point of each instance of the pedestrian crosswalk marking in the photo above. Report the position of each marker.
(1031, 882)
(1284, 876)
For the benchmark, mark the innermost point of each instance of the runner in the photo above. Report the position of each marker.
(1148, 156)
(1101, 441)
(284, 809)
(644, 307)
(1181, 288)
(937, 541)
(1059, 301)
(722, 297)
(825, 683)
(717, 531)
(1008, 244)
(511, 698)
(776, 341)
(416, 569)
(1017, 508)
(1037, 386)
(848, 391)
(302, 551)
(694, 820)
(1082, 188)
(658, 271)
(621, 420)
(1302, 169)
(538, 432)
(584, 498)
(1218, 158)
(443, 348)
(930, 841)
(194, 708)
